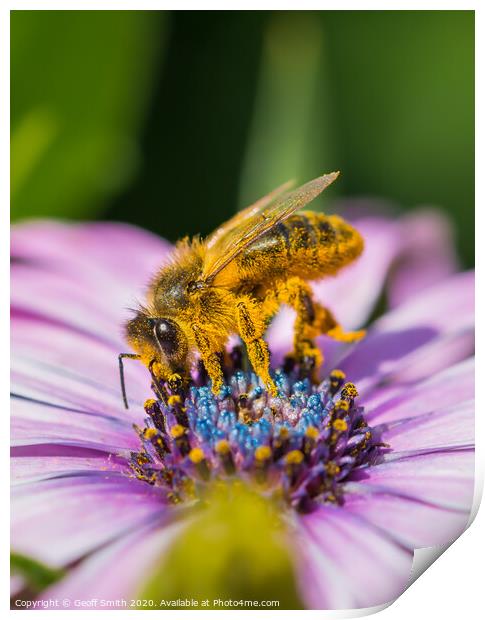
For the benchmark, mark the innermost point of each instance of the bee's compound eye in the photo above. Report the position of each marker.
(166, 335)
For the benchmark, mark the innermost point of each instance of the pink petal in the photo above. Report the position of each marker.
(429, 359)
(124, 254)
(35, 423)
(17, 584)
(443, 479)
(353, 294)
(346, 563)
(448, 427)
(58, 521)
(427, 256)
(119, 570)
(33, 469)
(445, 306)
(61, 366)
(452, 385)
(416, 340)
(67, 301)
(413, 524)
(83, 276)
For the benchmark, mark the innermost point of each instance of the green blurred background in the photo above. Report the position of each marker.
(174, 120)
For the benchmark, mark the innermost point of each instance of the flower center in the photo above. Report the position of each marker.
(300, 446)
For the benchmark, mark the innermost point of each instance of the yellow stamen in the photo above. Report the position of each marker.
(337, 374)
(222, 447)
(149, 433)
(295, 457)
(342, 404)
(177, 431)
(332, 468)
(174, 381)
(340, 425)
(196, 455)
(262, 453)
(175, 399)
(350, 391)
(311, 432)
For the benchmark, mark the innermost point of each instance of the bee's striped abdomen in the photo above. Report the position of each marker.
(320, 244)
(310, 245)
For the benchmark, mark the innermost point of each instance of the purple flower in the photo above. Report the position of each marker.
(362, 479)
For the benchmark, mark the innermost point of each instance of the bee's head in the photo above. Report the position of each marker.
(160, 342)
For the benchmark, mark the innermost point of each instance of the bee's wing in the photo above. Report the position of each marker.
(255, 221)
(244, 215)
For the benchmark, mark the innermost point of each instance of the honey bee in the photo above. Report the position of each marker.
(234, 282)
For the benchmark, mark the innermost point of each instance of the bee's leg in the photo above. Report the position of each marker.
(209, 353)
(252, 321)
(296, 293)
(329, 326)
(312, 320)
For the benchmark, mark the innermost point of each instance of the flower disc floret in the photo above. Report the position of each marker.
(301, 445)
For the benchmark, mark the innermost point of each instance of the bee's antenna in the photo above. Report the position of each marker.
(121, 356)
